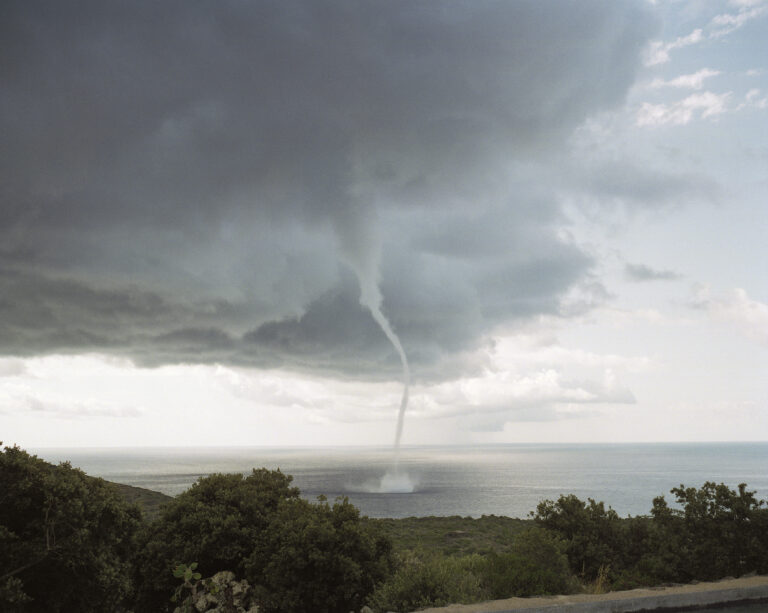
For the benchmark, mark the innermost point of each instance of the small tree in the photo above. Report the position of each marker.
(717, 532)
(592, 533)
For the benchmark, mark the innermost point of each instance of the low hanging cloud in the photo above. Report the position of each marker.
(23, 401)
(181, 180)
(641, 272)
(490, 401)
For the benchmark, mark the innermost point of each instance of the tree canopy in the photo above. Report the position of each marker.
(296, 555)
(67, 539)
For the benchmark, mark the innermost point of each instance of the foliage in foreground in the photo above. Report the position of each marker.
(714, 532)
(295, 555)
(66, 538)
(70, 542)
(222, 593)
(534, 565)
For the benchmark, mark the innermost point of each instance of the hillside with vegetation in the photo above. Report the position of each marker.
(149, 501)
(251, 544)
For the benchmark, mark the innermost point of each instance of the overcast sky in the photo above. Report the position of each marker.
(563, 205)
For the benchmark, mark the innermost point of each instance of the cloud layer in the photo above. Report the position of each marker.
(183, 182)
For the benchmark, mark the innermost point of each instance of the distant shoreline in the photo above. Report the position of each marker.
(508, 480)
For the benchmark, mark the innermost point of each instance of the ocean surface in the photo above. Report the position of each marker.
(467, 481)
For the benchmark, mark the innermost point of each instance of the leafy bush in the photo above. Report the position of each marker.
(424, 581)
(592, 534)
(536, 565)
(222, 593)
(716, 532)
(295, 555)
(67, 540)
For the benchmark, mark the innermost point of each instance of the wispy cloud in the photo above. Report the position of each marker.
(736, 308)
(506, 394)
(687, 81)
(700, 105)
(724, 24)
(50, 407)
(658, 51)
(641, 272)
(754, 99)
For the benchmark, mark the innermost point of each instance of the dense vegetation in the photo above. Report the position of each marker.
(70, 542)
(295, 555)
(148, 501)
(713, 533)
(67, 540)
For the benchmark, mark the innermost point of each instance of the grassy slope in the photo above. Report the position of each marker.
(445, 535)
(149, 500)
(451, 535)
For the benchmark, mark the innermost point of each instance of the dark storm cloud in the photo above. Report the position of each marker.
(179, 180)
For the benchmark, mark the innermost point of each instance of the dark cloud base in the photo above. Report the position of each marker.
(180, 181)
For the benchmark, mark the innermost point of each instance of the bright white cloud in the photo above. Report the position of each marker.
(735, 307)
(696, 106)
(11, 367)
(754, 99)
(726, 23)
(530, 377)
(541, 351)
(658, 51)
(687, 81)
(506, 393)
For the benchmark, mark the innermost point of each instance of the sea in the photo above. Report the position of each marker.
(507, 480)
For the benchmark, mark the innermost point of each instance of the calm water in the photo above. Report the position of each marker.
(467, 481)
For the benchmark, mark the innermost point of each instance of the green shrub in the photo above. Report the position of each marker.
(430, 581)
(715, 532)
(536, 565)
(592, 533)
(718, 532)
